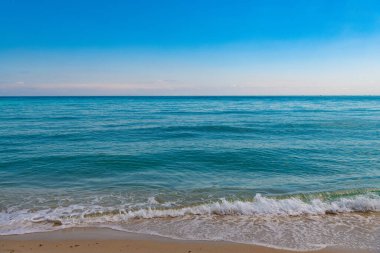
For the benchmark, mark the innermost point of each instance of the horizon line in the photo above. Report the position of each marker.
(47, 96)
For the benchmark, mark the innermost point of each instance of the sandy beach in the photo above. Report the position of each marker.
(83, 240)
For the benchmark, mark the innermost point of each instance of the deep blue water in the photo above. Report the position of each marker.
(175, 152)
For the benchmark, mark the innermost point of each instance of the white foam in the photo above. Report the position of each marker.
(264, 206)
(289, 223)
(260, 207)
(152, 201)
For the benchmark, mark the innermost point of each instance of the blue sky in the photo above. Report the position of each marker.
(189, 47)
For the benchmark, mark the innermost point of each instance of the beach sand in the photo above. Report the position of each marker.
(85, 240)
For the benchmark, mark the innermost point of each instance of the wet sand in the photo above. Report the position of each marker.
(85, 240)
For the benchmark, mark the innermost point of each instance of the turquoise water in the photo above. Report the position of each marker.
(129, 162)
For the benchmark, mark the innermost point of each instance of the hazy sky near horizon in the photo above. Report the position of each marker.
(198, 47)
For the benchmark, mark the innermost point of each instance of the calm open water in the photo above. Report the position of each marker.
(287, 172)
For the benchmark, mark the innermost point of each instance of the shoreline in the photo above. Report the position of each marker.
(88, 240)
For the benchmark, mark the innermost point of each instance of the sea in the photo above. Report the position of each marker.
(299, 173)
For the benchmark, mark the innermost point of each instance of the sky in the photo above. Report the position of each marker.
(198, 47)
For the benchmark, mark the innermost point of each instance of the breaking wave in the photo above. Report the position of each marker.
(295, 222)
(258, 207)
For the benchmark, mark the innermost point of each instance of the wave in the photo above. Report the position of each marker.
(264, 206)
(259, 206)
(297, 222)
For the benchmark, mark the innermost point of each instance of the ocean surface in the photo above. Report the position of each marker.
(298, 173)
